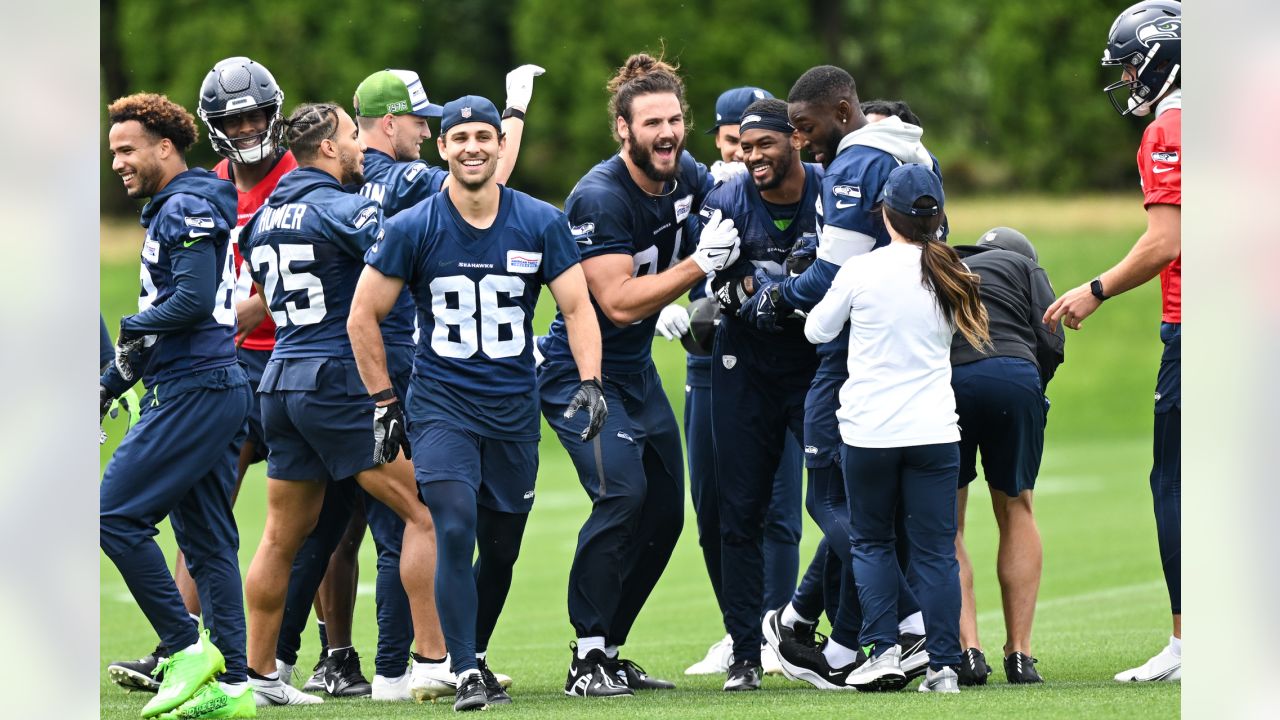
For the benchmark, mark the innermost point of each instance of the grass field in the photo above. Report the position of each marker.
(1102, 606)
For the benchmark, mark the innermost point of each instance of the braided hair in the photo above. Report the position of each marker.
(308, 126)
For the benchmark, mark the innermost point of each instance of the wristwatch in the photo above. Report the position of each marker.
(1095, 287)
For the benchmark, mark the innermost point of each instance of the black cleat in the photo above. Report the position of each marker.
(497, 695)
(973, 668)
(1020, 669)
(471, 693)
(139, 674)
(588, 677)
(915, 661)
(743, 676)
(342, 676)
(634, 676)
(805, 663)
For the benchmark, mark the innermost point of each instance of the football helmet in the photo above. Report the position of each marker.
(234, 86)
(1148, 38)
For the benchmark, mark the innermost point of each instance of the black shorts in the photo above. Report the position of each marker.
(1001, 409)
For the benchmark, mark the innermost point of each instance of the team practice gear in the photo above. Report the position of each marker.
(1147, 38)
(590, 395)
(235, 86)
(718, 247)
(673, 322)
(389, 434)
(520, 86)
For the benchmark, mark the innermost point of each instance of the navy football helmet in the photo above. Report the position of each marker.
(1148, 38)
(234, 86)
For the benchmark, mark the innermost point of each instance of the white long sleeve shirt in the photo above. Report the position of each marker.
(899, 389)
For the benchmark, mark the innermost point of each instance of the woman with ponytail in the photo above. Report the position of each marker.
(904, 302)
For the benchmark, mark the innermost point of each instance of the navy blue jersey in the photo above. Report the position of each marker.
(306, 247)
(763, 245)
(476, 291)
(608, 213)
(399, 186)
(187, 252)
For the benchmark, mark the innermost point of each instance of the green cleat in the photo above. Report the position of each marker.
(184, 674)
(213, 702)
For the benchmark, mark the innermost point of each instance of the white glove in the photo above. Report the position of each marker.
(718, 246)
(673, 322)
(537, 350)
(722, 171)
(520, 86)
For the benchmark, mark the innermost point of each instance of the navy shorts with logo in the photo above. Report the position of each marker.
(502, 472)
(822, 440)
(1002, 415)
(318, 419)
(254, 362)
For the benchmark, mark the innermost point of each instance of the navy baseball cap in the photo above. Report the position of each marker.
(731, 103)
(470, 108)
(907, 184)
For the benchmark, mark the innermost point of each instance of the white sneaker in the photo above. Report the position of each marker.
(1165, 666)
(392, 689)
(719, 657)
(432, 680)
(285, 670)
(942, 681)
(769, 661)
(275, 692)
(883, 672)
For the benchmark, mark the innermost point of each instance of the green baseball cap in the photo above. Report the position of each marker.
(398, 92)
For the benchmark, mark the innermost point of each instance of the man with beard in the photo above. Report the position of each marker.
(486, 251)
(179, 461)
(306, 247)
(629, 215)
(858, 156)
(758, 378)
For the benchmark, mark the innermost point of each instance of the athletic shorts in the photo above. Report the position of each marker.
(254, 362)
(318, 419)
(1001, 410)
(502, 472)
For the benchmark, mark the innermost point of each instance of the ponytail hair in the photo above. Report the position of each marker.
(642, 74)
(954, 287)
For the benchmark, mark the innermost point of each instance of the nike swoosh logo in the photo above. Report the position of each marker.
(584, 241)
(1159, 170)
(195, 238)
(841, 205)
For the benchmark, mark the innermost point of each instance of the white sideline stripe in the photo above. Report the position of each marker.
(1089, 597)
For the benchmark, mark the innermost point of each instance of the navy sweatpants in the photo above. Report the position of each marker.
(1166, 467)
(180, 461)
(633, 471)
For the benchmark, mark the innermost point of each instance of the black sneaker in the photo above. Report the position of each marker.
(915, 661)
(138, 674)
(973, 668)
(589, 678)
(315, 683)
(497, 695)
(776, 635)
(342, 676)
(1020, 669)
(803, 662)
(634, 676)
(743, 676)
(471, 693)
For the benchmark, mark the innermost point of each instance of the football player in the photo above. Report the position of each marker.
(179, 461)
(1145, 44)
(629, 216)
(474, 258)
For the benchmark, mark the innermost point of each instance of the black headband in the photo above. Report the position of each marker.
(776, 122)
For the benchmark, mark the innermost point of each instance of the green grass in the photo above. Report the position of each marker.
(1102, 603)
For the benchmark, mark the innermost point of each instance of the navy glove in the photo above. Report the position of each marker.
(389, 433)
(762, 310)
(590, 395)
(802, 255)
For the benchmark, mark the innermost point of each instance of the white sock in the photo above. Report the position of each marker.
(790, 617)
(1175, 644)
(587, 644)
(333, 650)
(611, 651)
(234, 689)
(837, 655)
(193, 647)
(269, 677)
(481, 655)
(194, 618)
(913, 624)
(462, 678)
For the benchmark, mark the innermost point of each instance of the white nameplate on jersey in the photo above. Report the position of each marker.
(151, 250)
(849, 191)
(198, 222)
(683, 206)
(523, 261)
(365, 216)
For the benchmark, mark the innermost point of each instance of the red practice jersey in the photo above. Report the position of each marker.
(1160, 167)
(263, 337)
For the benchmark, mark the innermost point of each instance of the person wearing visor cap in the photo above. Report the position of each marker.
(898, 421)
(475, 257)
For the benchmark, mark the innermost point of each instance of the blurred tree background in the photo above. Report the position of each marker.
(1008, 92)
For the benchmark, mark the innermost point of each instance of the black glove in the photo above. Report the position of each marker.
(128, 354)
(389, 433)
(730, 293)
(802, 255)
(590, 395)
(104, 402)
(762, 311)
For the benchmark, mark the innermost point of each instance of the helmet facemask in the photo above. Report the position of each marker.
(265, 142)
(1142, 95)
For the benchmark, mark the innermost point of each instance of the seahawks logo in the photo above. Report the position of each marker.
(1165, 157)
(1169, 28)
(365, 216)
(584, 229)
(852, 191)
